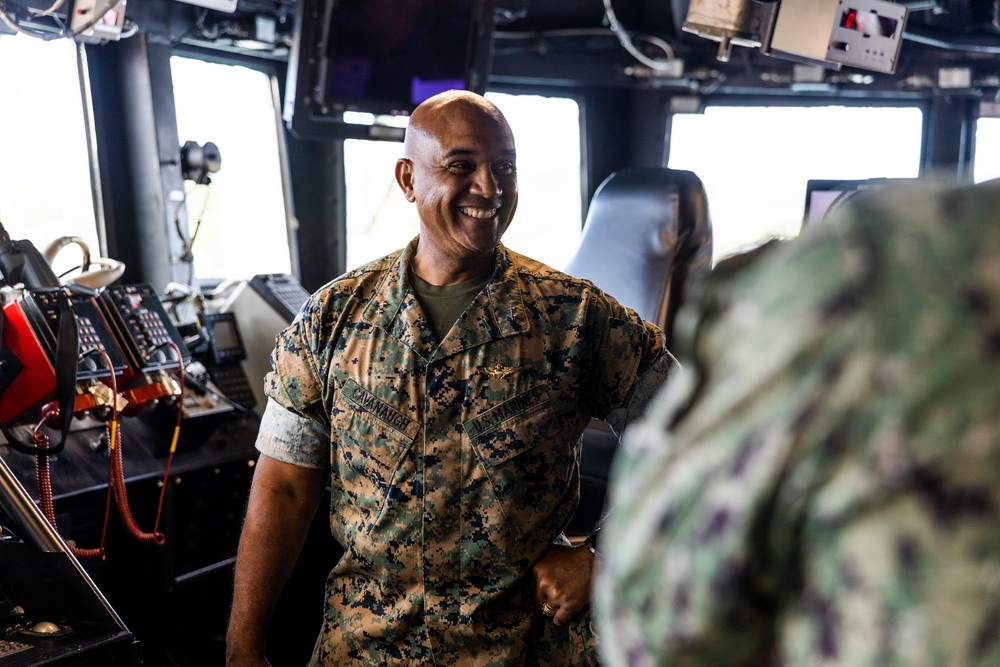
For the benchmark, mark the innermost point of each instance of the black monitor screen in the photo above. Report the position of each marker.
(382, 57)
(820, 195)
(225, 336)
(389, 55)
(823, 197)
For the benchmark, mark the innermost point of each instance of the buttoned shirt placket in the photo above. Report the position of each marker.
(447, 461)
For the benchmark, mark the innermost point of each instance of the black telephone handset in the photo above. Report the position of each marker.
(41, 309)
(143, 327)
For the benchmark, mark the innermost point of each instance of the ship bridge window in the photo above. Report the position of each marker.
(45, 177)
(755, 161)
(986, 162)
(238, 222)
(548, 221)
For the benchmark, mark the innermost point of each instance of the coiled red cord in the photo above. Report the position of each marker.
(44, 481)
(176, 434)
(116, 472)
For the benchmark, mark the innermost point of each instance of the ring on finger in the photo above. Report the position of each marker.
(549, 610)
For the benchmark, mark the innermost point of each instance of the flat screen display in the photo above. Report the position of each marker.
(382, 57)
(225, 336)
(823, 197)
(390, 55)
(820, 196)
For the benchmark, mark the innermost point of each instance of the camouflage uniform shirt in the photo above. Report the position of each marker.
(453, 466)
(823, 488)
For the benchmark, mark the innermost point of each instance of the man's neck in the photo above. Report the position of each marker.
(442, 270)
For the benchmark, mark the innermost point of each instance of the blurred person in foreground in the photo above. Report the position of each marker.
(823, 488)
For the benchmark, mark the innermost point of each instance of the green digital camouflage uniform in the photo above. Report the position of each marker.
(824, 487)
(454, 466)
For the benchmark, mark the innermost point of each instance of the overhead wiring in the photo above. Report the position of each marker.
(19, 19)
(615, 31)
(11, 21)
(626, 41)
(188, 239)
(129, 28)
(55, 5)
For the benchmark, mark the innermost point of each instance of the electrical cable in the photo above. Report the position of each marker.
(117, 474)
(187, 255)
(43, 477)
(129, 28)
(43, 480)
(174, 438)
(626, 41)
(197, 225)
(967, 44)
(55, 5)
(78, 267)
(187, 241)
(12, 22)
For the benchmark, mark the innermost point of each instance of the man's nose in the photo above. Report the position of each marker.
(486, 183)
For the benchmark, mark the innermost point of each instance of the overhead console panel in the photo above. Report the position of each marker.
(859, 33)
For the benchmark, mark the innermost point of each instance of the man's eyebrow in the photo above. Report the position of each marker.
(455, 152)
(458, 151)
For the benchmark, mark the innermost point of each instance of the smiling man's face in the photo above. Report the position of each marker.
(460, 171)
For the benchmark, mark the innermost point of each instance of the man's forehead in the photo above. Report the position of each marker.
(473, 138)
(460, 128)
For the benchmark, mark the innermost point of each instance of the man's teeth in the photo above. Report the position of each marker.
(480, 213)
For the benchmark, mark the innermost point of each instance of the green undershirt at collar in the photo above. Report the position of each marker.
(443, 305)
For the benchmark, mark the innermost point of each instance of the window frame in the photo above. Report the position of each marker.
(801, 101)
(276, 71)
(97, 213)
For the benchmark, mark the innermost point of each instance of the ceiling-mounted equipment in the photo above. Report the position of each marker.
(729, 22)
(860, 33)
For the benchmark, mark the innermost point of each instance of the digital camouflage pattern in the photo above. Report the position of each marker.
(455, 466)
(822, 489)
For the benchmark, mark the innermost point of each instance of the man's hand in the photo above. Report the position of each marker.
(561, 579)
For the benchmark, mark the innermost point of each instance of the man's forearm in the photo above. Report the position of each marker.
(283, 500)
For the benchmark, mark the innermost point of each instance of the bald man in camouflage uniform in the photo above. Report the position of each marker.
(824, 489)
(441, 392)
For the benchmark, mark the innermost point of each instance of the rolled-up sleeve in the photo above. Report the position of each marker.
(291, 438)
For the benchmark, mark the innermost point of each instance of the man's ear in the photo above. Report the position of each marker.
(404, 176)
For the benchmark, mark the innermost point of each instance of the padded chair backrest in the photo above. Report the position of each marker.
(646, 239)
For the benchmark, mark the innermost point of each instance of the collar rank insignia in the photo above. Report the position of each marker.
(497, 371)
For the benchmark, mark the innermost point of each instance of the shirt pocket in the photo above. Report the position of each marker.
(371, 440)
(529, 461)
